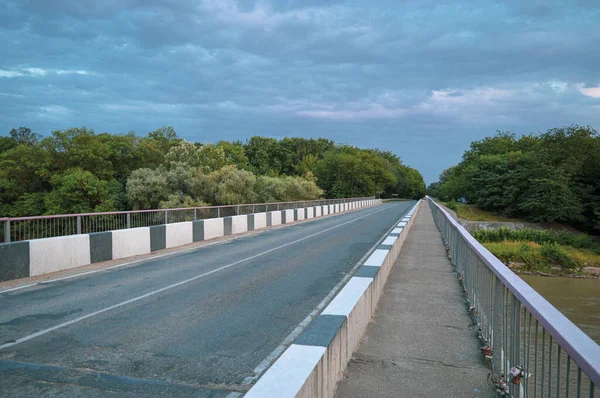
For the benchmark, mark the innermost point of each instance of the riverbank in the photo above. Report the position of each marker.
(529, 248)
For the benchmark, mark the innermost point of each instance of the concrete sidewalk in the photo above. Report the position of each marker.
(421, 341)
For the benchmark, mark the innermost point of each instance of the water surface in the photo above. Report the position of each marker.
(577, 299)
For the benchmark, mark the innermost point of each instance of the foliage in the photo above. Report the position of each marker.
(77, 170)
(473, 213)
(541, 237)
(554, 176)
(233, 186)
(286, 189)
(538, 257)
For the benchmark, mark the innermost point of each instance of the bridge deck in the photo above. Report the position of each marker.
(421, 342)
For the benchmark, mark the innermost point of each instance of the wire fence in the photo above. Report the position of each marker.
(26, 228)
(535, 351)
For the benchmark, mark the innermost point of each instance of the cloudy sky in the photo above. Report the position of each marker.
(420, 78)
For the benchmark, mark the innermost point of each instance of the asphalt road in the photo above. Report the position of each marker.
(200, 323)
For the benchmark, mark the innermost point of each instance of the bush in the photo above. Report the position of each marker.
(556, 255)
(577, 240)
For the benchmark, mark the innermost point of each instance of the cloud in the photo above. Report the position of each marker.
(10, 73)
(41, 72)
(593, 92)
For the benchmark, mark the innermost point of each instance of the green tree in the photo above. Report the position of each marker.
(146, 189)
(77, 191)
(233, 186)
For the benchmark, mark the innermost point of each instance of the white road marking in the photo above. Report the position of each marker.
(149, 294)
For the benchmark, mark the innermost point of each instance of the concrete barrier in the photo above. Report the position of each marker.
(213, 228)
(36, 257)
(14, 260)
(260, 220)
(130, 242)
(56, 254)
(287, 216)
(310, 213)
(179, 234)
(275, 218)
(239, 224)
(314, 364)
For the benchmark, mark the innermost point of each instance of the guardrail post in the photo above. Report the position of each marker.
(7, 231)
(237, 210)
(166, 216)
(218, 212)
(499, 354)
(78, 225)
(195, 214)
(253, 209)
(128, 220)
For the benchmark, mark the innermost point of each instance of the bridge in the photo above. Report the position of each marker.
(351, 298)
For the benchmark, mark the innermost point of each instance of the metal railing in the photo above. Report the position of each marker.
(535, 350)
(37, 227)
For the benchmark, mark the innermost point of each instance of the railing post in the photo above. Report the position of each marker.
(128, 220)
(78, 225)
(166, 216)
(7, 231)
(237, 210)
(195, 214)
(253, 211)
(497, 328)
(218, 212)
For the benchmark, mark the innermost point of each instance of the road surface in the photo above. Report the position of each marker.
(202, 323)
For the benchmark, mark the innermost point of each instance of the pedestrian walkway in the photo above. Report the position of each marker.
(421, 341)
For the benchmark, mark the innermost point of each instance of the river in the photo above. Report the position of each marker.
(577, 299)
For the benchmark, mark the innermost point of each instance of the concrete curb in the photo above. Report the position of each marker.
(42, 256)
(314, 364)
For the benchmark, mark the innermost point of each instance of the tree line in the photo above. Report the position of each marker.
(552, 176)
(77, 170)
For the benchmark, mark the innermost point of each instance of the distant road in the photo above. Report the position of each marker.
(202, 323)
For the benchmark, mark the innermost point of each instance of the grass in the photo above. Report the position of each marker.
(539, 236)
(472, 213)
(537, 257)
(540, 250)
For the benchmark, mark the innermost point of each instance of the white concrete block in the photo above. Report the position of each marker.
(287, 375)
(347, 298)
(213, 228)
(300, 214)
(310, 212)
(130, 242)
(239, 224)
(337, 208)
(289, 216)
(55, 254)
(402, 224)
(376, 258)
(276, 218)
(397, 230)
(179, 234)
(318, 211)
(331, 209)
(389, 240)
(260, 220)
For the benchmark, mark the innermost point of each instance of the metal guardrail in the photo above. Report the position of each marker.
(37, 227)
(535, 350)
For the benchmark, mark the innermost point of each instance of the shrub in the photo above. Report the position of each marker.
(556, 255)
(541, 237)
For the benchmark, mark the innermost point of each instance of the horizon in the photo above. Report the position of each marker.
(422, 81)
